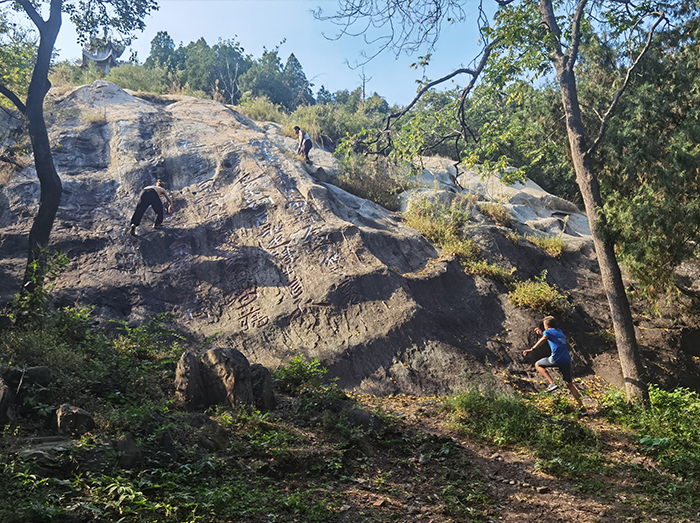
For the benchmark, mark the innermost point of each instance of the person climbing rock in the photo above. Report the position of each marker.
(150, 197)
(559, 358)
(304, 143)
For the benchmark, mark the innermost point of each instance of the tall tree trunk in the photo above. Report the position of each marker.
(628, 351)
(50, 183)
(625, 339)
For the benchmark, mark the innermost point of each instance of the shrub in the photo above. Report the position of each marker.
(261, 109)
(139, 78)
(375, 179)
(297, 375)
(328, 124)
(539, 295)
(496, 212)
(552, 245)
(443, 225)
(490, 270)
(667, 430)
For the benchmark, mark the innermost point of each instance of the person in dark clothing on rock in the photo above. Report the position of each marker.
(304, 143)
(150, 197)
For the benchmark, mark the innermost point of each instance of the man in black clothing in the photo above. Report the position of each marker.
(150, 197)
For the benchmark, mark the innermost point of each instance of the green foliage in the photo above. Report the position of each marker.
(31, 305)
(649, 169)
(443, 225)
(139, 78)
(343, 122)
(298, 375)
(261, 109)
(563, 447)
(668, 430)
(374, 179)
(490, 270)
(496, 212)
(283, 85)
(17, 55)
(540, 296)
(552, 245)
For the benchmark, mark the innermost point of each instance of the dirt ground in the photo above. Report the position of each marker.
(522, 493)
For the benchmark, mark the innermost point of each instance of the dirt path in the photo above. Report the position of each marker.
(522, 493)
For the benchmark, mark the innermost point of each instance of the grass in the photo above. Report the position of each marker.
(491, 270)
(563, 446)
(539, 295)
(442, 225)
(374, 179)
(552, 245)
(496, 212)
(307, 461)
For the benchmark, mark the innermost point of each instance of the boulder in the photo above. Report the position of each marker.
(6, 398)
(72, 420)
(127, 451)
(190, 387)
(261, 379)
(227, 374)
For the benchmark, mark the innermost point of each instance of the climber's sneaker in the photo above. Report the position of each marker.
(552, 387)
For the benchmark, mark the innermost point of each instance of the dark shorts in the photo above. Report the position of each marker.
(565, 368)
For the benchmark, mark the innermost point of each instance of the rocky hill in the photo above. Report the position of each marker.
(268, 255)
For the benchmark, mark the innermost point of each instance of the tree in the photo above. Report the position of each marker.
(265, 78)
(324, 96)
(527, 40)
(17, 54)
(298, 84)
(89, 16)
(227, 67)
(162, 53)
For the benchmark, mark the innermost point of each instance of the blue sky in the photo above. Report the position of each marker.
(259, 24)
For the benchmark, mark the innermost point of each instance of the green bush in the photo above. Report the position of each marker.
(298, 375)
(668, 430)
(375, 179)
(496, 212)
(139, 78)
(490, 270)
(552, 245)
(262, 110)
(539, 295)
(443, 225)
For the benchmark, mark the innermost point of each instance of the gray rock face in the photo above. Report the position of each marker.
(277, 261)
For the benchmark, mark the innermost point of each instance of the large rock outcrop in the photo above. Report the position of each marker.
(265, 252)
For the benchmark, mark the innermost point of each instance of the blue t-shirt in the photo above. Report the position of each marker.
(557, 342)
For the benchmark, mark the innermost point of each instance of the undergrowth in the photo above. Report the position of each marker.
(540, 295)
(310, 460)
(552, 245)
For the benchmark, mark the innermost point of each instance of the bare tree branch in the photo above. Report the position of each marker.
(608, 114)
(425, 89)
(576, 32)
(13, 98)
(550, 20)
(32, 12)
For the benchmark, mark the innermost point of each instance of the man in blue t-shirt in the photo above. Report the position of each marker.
(560, 358)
